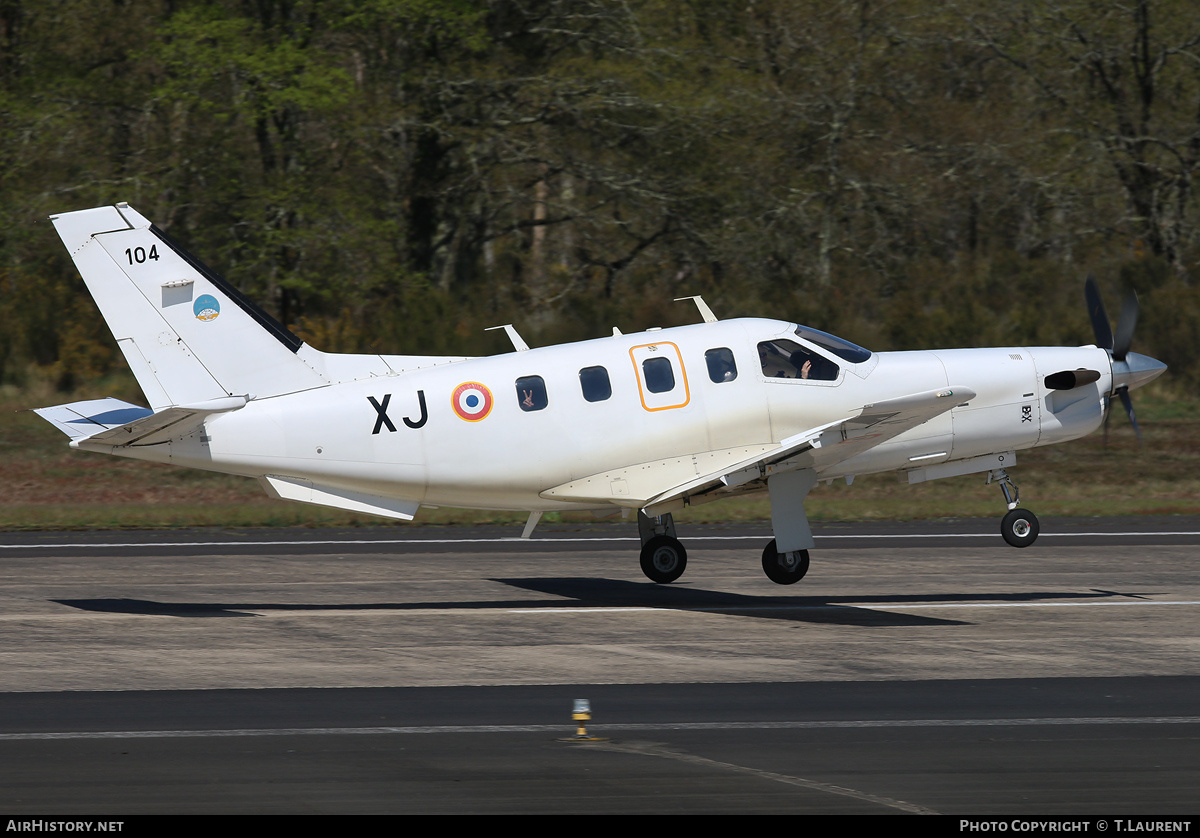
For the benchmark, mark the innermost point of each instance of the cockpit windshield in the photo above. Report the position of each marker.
(844, 349)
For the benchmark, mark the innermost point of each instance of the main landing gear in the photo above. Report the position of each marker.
(784, 560)
(663, 556)
(784, 568)
(1019, 527)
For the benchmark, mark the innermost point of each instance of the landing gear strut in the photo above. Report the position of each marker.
(785, 559)
(1019, 527)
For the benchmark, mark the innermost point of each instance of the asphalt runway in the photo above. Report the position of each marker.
(918, 669)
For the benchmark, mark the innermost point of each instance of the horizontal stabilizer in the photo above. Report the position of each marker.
(117, 423)
(79, 420)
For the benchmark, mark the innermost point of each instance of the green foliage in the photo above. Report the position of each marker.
(398, 175)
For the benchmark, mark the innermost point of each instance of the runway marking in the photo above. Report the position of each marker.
(602, 539)
(586, 610)
(651, 749)
(841, 606)
(1034, 604)
(601, 729)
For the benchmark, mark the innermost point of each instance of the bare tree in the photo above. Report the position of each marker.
(1123, 77)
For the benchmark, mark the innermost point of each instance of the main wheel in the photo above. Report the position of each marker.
(784, 569)
(663, 559)
(1020, 527)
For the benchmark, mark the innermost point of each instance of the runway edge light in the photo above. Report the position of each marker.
(582, 713)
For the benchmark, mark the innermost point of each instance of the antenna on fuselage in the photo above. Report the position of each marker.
(518, 342)
(705, 311)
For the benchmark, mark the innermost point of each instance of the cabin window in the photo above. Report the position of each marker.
(660, 378)
(785, 359)
(531, 393)
(721, 366)
(595, 384)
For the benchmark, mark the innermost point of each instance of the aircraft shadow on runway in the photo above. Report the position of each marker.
(836, 610)
(588, 592)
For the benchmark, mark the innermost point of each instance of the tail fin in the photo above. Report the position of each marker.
(188, 335)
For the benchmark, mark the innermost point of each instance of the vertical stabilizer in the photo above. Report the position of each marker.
(188, 335)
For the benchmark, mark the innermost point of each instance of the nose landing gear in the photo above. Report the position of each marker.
(1019, 527)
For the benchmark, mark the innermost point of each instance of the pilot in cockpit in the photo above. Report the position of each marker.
(785, 359)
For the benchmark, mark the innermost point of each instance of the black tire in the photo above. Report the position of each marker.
(780, 573)
(1020, 527)
(663, 559)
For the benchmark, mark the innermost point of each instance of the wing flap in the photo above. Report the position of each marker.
(631, 486)
(781, 458)
(820, 448)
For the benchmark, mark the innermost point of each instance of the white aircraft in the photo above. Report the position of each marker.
(647, 423)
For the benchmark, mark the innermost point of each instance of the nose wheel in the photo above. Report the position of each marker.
(1019, 527)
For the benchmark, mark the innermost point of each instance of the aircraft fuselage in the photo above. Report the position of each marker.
(646, 423)
(526, 421)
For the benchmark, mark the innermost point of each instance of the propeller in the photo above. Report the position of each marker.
(1095, 307)
(1126, 370)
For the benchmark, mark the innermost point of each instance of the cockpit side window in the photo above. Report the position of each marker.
(786, 359)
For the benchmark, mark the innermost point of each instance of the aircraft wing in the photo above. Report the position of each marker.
(821, 447)
(117, 423)
(667, 485)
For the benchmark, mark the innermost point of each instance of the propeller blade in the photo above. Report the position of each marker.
(1095, 307)
(1128, 402)
(1107, 416)
(1125, 324)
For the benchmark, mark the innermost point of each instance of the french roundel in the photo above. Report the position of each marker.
(471, 401)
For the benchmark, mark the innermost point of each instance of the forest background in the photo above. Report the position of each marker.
(397, 175)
